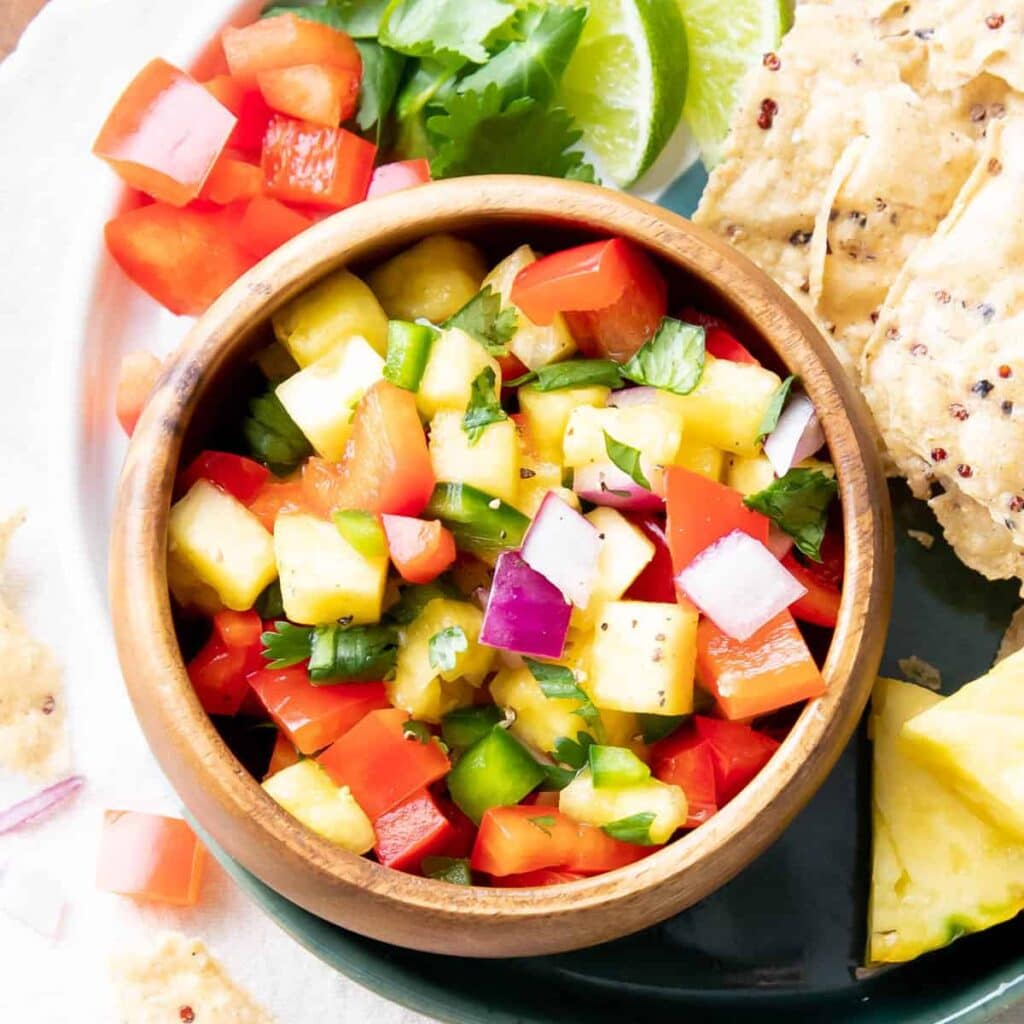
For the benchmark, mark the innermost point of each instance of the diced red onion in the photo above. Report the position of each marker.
(563, 547)
(525, 613)
(32, 898)
(739, 584)
(779, 542)
(796, 436)
(41, 804)
(632, 396)
(603, 483)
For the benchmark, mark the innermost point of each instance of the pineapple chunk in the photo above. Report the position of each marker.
(306, 792)
(700, 458)
(213, 539)
(188, 590)
(536, 478)
(533, 344)
(546, 414)
(322, 397)
(491, 464)
(275, 362)
(655, 430)
(939, 871)
(455, 361)
(583, 802)
(434, 279)
(338, 308)
(748, 475)
(428, 692)
(644, 657)
(324, 578)
(974, 742)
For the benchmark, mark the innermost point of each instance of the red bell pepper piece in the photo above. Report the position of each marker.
(380, 764)
(284, 755)
(537, 879)
(595, 852)
(218, 672)
(738, 753)
(308, 163)
(267, 224)
(657, 581)
(701, 511)
(415, 829)
(275, 497)
(164, 134)
(397, 176)
(241, 477)
(420, 549)
(232, 180)
(313, 717)
(136, 378)
(820, 605)
(249, 107)
(149, 857)
(183, 258)
(318, 93)
(463, 830)
(686, 760)
(718, 339)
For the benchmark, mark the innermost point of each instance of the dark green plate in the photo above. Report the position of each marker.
(781, 942)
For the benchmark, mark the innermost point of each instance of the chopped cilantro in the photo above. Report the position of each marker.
(444, 648)
(454, 870)
(627, 459)
(286, 645)
(419, 731)
(573, 373)
(484, 407)
(382, 73)
(451, 30)
(635, 829)
(273, 436)
(672, 360)
(772, 413)
(352, 653)
(545, 822)
(798, 504)
(483, 318)
(558, 683)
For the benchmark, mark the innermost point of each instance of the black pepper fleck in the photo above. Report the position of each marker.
(604, 626)
(983, 388)
(1006, 407)
(800, 237)
(924, 33)
(987, 311)
(527, 474)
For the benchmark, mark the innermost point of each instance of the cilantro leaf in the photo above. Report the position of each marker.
(413, 598)
(557, 682)
(454, 870)
(484, 407)
(476, 135)
(627, 459)
(273, 436)
(657, 727)
(382, 71)
(286, 645)
(428, 80)
(635, 829)
(545, 822)
(352, 653)
(419, 731)
(771, 415)
(798, 504)
(575, 752)
(443, 648)
(270, 604)
(359, 18)
(673, 359)
(556, 778)
(573, 373)
(452, 30)
(483, 319)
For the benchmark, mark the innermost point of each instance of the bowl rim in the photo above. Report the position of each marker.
(232, 806)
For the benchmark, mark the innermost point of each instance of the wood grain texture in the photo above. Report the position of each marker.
(14, 16)
(357, 893)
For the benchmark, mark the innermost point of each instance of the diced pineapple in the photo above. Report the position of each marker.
(334, 310)
(582, 801)
(939, 871)
(213, 540)
(533, 344)
(324, 578)
(491, 464)
(536, 478)
(434, 279)
(974, 742)
(700, 458)
(818, 464)
(429, 692)
(644, 657)
(306, 792)
(322, 397)
(546, 414)
(455, 361)
(652, 429)
(749, 474)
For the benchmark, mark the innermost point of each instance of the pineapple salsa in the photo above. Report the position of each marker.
(508, 581)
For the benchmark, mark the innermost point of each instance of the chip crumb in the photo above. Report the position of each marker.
(923, 537)
(922, 672)
(1013, 638)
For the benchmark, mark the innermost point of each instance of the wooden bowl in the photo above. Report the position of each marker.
(357, 893)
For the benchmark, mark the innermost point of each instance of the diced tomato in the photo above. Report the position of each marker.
(314, 716)
(513, 840)
(267, 224)
(275, 497)
(820, 605)
(380, 764)
(397, 176)
(386, 467)
(718, 339)
(308, 163)
(136, 379)
(701, 511)
(420, 549)
(286, 41)
(738, 753)
(415, 829)
(232, 180)
(241, 477)
(771, 669)
(318, 93)
(164, 134)
(537, 879)
(284, 755)
(686, 760)
(183, 258)
(150, 857)
(249, 107)
(657, 581)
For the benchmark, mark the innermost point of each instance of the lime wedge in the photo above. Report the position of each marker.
(725, 39)
(626, 83)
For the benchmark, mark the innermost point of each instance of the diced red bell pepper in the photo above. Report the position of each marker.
(463, 830)
(420, 549)
(267, 224)
(595, 852)
(313, 717)
(738, 753)
(275, 497)
(820, 605)
(538, 879)
(150, 857)
(318, 93)
(701, 511)
(769, 670)
(136, 379)
(241, 477)
(397, 176)
(183, 258)
(415, 829)
(249, 107)
(308, 163)
(218, 672)
(239, 630)
(164, 134)
(718, 339)
(380, 764)
(232, 180)
(284, 755)
(686, 760)
(387, 466)
(511, 368)
(657, 580)
(286, 41)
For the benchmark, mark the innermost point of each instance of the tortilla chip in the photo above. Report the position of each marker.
(976, 36)
(979, 542)
(1013, 638)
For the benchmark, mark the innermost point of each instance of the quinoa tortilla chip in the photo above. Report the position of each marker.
(976, 36)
